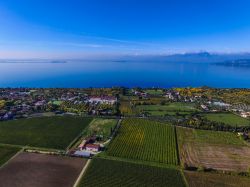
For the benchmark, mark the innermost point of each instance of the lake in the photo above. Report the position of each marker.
(129, 74)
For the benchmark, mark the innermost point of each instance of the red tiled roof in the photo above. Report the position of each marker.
(93, 146)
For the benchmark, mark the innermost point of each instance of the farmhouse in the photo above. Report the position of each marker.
(92, 147)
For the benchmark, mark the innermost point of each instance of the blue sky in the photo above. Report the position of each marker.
(87, 28)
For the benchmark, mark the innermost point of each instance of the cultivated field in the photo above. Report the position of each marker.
(145, 140)
(110, 173)
(169, 109)
(228, 118)
(47, 132)
(201, 179)
(30, 169)
(6, 152)
(100, 127)
(210, 149)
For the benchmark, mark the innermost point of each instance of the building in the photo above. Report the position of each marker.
(92, 147)
(103, 100)
(204, 107)
(245, 114)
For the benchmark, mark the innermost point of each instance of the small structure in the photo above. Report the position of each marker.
(84, 154)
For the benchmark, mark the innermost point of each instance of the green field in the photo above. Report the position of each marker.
(217, 137)
(199, 179)
(228, 118)
(168, 109)
(109, 173)
(146, 141)
(46, 132)
(6, 152)
(154, 91)
(101, 127)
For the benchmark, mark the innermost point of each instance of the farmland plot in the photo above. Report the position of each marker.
(112, 173)
(145, 140)
(210, 149)
(200, 179)
(46, 132)
(30, 169)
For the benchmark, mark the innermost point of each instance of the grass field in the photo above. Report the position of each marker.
(6, 152)
(46, 132)
(154, 91)
(101, 127)
(41, 170)
(200, 179)
(211, 149)
(169, 109)
(228, 118)
(102, 173)
(145, 140)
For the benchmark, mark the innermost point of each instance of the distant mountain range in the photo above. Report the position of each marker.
(201, 57)
(235, 63)
(236, 59)
(206, 57)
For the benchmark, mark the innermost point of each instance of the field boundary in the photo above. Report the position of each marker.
(74, 141)
(140, 162)
(184, 178)
(12, 145)
(84, 169)
(14, 156)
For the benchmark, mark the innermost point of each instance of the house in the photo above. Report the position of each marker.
(92, 147)
(204, 107)
(245, 114)
(169, 96)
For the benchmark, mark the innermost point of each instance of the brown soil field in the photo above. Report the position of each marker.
(199, 179)
(197, 152)
(217, 157)
(39, 170)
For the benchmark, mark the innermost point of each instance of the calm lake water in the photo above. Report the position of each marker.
(129, 74)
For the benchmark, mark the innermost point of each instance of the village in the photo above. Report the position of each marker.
(24, 103)
(207, 104)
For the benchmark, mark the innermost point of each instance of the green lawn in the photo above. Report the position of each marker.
(154, 91)
(110, 173)
(208, 137)
(228, 118)
(169, 108)
(101, 126)
(6, 152)
(46, 132)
